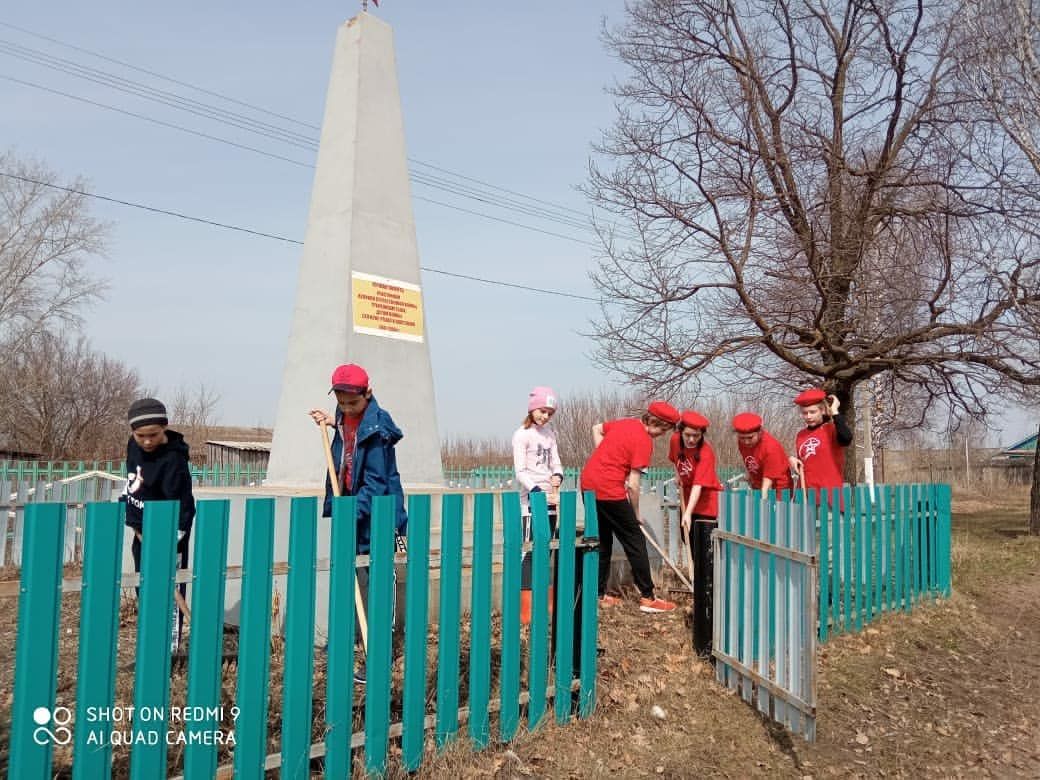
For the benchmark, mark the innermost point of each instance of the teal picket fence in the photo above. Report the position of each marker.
(544, 671)
(793, 570)
(33, 472)
(764, 610)
(881, 551)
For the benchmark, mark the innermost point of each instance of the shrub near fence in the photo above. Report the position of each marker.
(560, 657)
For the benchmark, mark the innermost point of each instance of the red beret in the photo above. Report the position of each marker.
(693, 420)
(813, 395)
(664, 411)
(746, 422)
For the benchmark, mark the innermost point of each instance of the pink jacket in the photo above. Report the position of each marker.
(535, 459)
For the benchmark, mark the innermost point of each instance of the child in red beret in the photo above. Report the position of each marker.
(613, 473)
(820, 445)
(694, 461)
(764, 457)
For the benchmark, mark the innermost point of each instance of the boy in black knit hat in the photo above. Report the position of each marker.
(157, 470)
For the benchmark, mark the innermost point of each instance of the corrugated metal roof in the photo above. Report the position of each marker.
(252, 446)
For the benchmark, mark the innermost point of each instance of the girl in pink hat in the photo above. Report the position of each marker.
(536, 461)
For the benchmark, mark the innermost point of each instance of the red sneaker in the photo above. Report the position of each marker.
(655, 605)
(606, 600)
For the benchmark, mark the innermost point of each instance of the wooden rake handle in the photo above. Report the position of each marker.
(666, 559)
(359, 603)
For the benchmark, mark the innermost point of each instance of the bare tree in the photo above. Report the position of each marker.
(47, 238)
(192, 413)
(63, 400)
(1003, 69)
(806, 193)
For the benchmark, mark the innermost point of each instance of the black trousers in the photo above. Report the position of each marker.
(182, 563)
(703, 581)
(526, 563)
(617, 518)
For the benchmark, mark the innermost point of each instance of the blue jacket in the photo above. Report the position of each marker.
(374, 471)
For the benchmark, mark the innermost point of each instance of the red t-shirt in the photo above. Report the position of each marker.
(766, 459)
(348, 431)
(697, 472)
(626, 447)
(822, 457)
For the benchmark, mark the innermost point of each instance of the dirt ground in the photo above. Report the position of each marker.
(950, 690)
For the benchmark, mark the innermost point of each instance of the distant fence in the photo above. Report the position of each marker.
(495, 477)
(474, 478)
(555, 661)
(35, 471)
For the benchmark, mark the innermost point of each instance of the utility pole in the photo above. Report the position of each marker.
(967, 461)
(868, 442)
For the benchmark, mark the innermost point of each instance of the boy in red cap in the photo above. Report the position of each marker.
(764, 457)
(820, 445)
(694, 461)
(364, 457)
(613, 473)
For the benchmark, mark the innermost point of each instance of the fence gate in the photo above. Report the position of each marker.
(765, 606)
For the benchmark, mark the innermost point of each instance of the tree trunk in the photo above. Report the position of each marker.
(1034, 493)
(846, 394)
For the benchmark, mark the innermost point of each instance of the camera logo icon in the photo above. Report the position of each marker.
(60, 718)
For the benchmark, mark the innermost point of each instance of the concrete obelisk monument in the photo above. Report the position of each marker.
(359, 298)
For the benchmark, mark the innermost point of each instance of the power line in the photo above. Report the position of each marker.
(460, 190)
(246, 147)
(155, 121)
(157, 75)
(163, 97)
(179, 102)
(276, 237)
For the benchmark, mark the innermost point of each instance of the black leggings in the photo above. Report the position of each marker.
(703, 569)
(182, 563)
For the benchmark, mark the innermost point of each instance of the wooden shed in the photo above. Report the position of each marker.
(245, 455)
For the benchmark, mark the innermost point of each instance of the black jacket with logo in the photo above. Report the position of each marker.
(161, 475)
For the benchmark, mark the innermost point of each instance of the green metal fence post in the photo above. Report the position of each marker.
(206, 649)
(825, 562)
(539, 650)
(152, 679)
(381, 603)
(589, 607)
(254, 638)
(509, 687)
(448, 641)
(298, 673)
(480, 620)
(36, 646)
(415, 627)
(339, 684)
(945, 539)
(96, 667)
(564, 614)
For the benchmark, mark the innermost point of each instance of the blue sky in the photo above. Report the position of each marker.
(509, 93)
